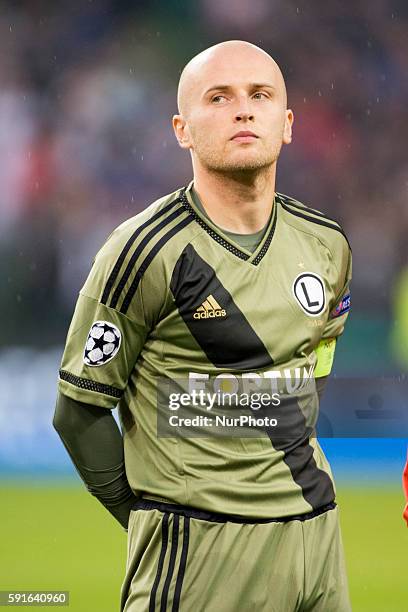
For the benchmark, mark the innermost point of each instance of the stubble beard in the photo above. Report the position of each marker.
(219, 163)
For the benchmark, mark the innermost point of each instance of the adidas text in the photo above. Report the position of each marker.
(210, 314)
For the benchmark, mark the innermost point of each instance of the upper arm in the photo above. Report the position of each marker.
(72, 416)
(339, 309)
(338, 312)
(103, 343)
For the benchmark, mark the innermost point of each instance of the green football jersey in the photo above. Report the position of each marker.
(170, 297)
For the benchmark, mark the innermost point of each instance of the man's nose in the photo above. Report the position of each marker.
(244, 115)
(244, 112)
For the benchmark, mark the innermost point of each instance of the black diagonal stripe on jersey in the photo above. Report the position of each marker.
(172, 562)
(292, 437)
(319, 221)
(148, 260)
(142, 244)
(165, 536)
(228, 341)
(116, 269)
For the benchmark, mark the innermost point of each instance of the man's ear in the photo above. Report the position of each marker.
(181, 131)
(287, 130)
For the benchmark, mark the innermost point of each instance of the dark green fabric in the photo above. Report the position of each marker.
(249, 242)
(95, 444)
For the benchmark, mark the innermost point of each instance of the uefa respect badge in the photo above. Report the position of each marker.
(342, 307)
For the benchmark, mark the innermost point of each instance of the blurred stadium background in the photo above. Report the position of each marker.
(87, 91)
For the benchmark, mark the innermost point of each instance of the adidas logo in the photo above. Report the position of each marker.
(209, 309)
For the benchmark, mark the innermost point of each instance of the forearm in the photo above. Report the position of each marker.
(95, 444)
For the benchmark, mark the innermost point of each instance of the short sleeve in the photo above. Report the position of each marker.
(102, 344)
(340, 308)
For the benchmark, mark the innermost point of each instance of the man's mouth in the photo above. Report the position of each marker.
(244, 136)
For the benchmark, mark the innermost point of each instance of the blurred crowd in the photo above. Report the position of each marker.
(87, 91)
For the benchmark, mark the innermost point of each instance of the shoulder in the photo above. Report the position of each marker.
(155, 217)
(150, 229)
(313, 222)
(128, 253)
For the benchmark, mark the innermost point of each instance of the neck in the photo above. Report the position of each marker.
(239, 202)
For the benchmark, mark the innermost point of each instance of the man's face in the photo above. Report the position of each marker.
(235, 91)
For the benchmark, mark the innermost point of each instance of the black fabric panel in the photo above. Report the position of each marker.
(228, 341)
(165, 535)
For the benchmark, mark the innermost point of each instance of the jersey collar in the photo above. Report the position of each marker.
(225, 241)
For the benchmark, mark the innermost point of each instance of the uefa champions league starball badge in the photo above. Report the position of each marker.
(102, 344)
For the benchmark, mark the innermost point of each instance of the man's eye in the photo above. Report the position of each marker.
(217, 99)
(259, 95)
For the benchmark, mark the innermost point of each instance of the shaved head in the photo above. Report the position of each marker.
(214, 59)
(232, 109)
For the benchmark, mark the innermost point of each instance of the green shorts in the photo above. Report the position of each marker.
(182, 559)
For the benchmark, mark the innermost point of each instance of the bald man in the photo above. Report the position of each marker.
(222, 290)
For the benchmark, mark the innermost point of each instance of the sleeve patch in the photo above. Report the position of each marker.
(342, 307)
(102, 344)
